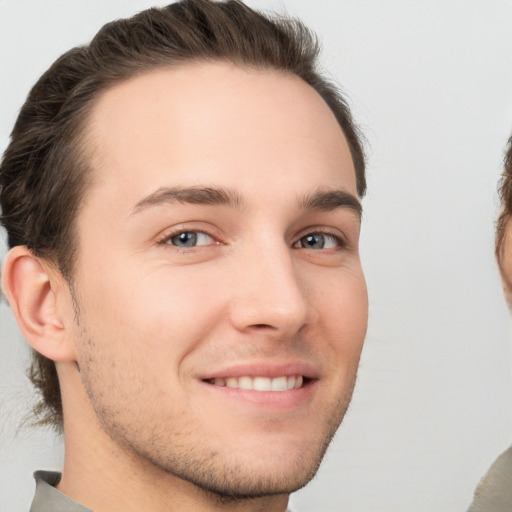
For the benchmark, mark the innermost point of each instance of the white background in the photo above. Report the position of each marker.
(430, 83)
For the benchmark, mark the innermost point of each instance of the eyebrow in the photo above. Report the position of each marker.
(327, 200)
(320, 200)
(192, 195)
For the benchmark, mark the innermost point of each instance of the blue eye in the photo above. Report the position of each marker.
(318, 241)
(190, 239)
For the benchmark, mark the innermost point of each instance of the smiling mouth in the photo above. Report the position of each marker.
(284, 383)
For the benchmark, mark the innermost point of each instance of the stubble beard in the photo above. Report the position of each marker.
(219, 475)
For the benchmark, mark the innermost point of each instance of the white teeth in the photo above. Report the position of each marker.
(261, 383)
(280, 384)
(245, 383)
(232, 382)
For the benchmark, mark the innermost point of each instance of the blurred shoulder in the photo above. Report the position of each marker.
(494, 492)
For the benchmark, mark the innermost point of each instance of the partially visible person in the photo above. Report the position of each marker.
(494, 493)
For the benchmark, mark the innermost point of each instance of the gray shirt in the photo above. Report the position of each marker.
(494, 493)
(49, 499)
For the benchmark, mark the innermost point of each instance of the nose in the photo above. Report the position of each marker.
(268, 295)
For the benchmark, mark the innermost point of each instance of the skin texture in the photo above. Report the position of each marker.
(150, 322)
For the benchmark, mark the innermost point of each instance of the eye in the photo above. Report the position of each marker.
(318, 241)
(189, 239)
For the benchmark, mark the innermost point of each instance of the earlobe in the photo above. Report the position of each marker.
(31, 290)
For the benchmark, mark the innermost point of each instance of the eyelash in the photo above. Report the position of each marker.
(166, 239)
(339, 240)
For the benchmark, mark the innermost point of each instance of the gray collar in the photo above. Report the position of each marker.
(49, 499)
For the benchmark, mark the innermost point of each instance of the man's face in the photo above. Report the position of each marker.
(222, 305)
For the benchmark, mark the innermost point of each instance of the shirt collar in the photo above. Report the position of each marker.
(49, 499)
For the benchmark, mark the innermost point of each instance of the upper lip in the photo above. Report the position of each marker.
(264, 369)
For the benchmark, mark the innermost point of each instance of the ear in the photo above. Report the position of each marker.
(32, 288)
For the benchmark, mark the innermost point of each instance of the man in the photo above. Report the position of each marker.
(182, 203)
(494, 493)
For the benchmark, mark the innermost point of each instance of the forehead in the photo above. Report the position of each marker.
(211, 122)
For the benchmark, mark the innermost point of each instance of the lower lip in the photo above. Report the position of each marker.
(275, 400)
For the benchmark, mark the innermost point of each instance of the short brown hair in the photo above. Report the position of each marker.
(505, 195)
(43, 174)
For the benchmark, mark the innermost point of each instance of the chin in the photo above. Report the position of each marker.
(247, 483)
(246, 473)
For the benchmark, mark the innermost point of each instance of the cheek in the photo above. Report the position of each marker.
(343, 313)
(157, 310)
